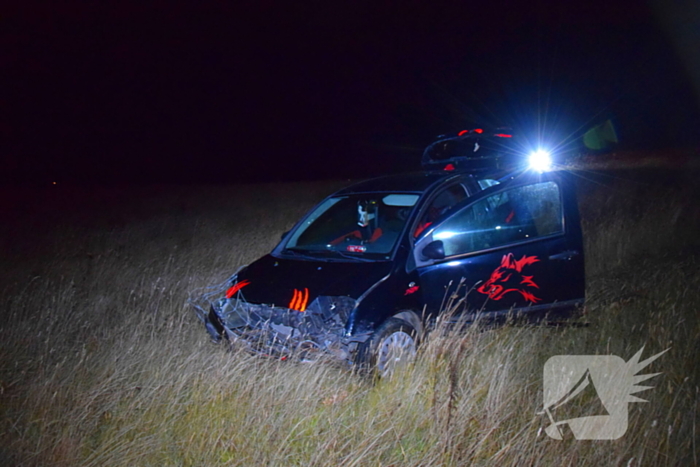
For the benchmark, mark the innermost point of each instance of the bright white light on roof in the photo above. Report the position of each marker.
(540, 160)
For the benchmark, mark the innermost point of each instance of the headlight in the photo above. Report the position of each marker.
(540, 160)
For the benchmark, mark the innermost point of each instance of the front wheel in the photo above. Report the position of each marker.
(392, 345)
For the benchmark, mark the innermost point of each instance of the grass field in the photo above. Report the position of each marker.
(103, 363)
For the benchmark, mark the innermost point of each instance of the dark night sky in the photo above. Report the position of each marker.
(217, 91)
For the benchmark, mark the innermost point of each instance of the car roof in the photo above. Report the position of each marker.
(414, 182)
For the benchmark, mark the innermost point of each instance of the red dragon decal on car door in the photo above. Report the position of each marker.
(508, 277)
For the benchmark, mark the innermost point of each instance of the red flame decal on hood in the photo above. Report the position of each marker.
(232, 291)
(299, 300)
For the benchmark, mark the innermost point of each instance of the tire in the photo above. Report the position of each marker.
(394, 343)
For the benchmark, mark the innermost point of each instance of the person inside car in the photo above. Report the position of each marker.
(368, 230)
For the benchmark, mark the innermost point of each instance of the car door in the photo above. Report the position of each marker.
(515, 246)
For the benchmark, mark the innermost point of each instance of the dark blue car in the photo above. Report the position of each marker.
(366, 272)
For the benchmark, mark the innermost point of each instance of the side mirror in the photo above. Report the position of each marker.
(433, 250)
(284, 235)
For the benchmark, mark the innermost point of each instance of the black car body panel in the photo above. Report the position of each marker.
(504, 244)
(273, 280)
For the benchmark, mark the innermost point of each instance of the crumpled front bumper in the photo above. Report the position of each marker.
(282, 332)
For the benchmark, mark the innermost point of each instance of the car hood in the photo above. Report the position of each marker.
(286, 282)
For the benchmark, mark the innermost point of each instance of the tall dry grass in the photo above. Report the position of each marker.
(102, 363)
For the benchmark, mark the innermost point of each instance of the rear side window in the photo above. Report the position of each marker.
(511, 216)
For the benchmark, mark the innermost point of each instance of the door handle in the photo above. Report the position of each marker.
(566, 255)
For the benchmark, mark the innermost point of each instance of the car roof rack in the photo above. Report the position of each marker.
(472, 150)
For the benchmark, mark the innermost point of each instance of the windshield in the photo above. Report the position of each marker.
(362, 225)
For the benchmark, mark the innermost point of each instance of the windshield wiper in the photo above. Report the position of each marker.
(358, 258)
(325, 255)
(305, 254)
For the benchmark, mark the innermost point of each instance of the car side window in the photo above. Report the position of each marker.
(484, 183)
(442, 203)
(510, 216)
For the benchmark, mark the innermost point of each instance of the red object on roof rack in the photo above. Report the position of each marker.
(466, 132)
(472, 149)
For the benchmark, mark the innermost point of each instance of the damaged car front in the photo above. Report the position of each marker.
(303, 298)
(366, 272)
